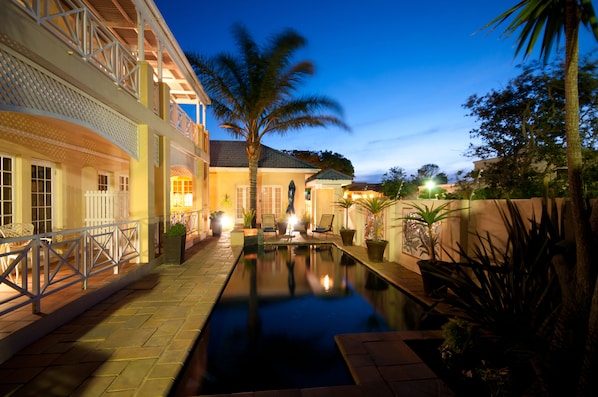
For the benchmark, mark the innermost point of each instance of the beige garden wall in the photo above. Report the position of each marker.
(481, 216)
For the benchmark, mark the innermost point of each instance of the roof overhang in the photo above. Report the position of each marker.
(124, 18)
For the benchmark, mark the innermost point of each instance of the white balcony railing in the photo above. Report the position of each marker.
(182, 122)
(76, 26)
(48, 263)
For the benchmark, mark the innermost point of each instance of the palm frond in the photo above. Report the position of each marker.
(534, 19)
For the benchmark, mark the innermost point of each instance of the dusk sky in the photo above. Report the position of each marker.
(400, 69)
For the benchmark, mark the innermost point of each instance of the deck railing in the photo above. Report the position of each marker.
(75, 25)
(188, 218)
(71, 22)
(48, 263)
(180, 120)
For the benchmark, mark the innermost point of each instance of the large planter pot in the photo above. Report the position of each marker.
(433, 285)
(251, 237)
(282, 228)
(174, 249)
(347, 236)
(216, 228)
(375, 249)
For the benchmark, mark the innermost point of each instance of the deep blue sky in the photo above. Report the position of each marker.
(400, 69)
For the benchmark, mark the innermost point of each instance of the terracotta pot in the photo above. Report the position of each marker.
(376, 249)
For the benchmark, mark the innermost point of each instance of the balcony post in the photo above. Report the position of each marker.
(142, 192)
(146, 85)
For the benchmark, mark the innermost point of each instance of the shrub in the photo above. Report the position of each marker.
(175, 230)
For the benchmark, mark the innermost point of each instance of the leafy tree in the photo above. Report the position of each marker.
(396, 184)
(468, 186)
(324, 160)
(255, 93)
(578, 317)
(429, 172)
(522, 126)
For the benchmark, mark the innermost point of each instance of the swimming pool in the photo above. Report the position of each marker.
(274, 325)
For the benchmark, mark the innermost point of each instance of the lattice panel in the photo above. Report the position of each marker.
(24, 86)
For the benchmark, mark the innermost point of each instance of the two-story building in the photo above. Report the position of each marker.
(91, 125)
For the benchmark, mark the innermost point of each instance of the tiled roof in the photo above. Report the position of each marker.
(330, 175)
(232, 154)
(364, 186)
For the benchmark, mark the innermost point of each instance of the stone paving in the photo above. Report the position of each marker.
(136, 342)
(132, 344)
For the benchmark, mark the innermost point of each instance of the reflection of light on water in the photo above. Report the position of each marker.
(326, 283)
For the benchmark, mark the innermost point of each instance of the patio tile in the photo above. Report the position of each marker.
(406, 372)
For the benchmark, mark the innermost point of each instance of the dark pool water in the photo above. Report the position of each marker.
(274, 326)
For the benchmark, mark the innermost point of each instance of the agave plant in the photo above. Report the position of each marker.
(345, 203)
(374, 206)
(248, 216)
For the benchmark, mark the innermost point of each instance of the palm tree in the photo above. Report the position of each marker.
(578, 319)
(255, 93)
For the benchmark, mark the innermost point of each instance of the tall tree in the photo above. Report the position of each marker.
(429, 172)
(324, 160)
(521, 127)
(395, 183)
(578, 317)
(256, 93)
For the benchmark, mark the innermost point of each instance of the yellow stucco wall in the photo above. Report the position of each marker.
(71, 178)
(223, 184)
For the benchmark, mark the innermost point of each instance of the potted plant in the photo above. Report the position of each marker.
(374, 207)
(248, 216)
(216, 223)
(281, 226)
(249, 232)
(346, 233)
(174, 243)
(428, 217)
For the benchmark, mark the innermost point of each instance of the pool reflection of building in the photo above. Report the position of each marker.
(292, 271)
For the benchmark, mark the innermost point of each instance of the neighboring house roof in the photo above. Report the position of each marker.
(364, 186)
(330, 175)
(232, 154)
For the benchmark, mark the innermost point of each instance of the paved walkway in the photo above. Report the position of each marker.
(136, 342)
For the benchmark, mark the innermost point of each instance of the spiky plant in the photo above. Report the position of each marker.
(512, 292)
(345, 203)
(374, 207)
